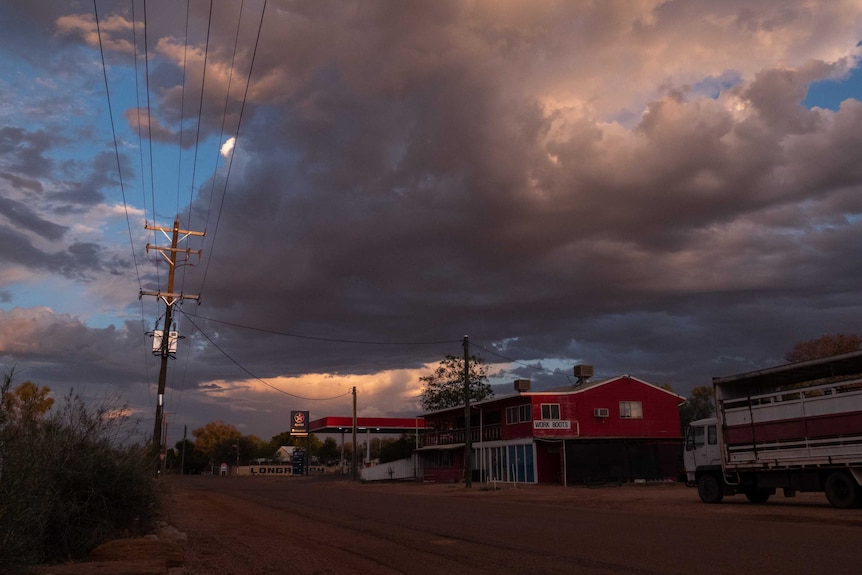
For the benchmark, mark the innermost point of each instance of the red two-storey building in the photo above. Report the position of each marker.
(618, 430)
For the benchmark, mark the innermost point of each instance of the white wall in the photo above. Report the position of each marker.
(401, 469)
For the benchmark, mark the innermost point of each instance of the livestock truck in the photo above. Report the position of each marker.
(795, 427)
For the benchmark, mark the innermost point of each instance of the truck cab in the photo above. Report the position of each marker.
(703, 467)
(702, 452)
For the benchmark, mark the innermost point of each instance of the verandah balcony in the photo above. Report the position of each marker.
(432, 437)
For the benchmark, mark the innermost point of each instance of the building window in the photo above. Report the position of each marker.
(631, 410)
(519, 413)
(511, 415)
(550, 411)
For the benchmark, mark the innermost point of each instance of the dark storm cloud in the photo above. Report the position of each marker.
(80, 261)
(419, 199)
(631, 185)
(23, 217)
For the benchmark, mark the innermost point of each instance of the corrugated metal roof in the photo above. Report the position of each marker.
(825, 367)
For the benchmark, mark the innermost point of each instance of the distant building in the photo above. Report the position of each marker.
(285, 453)
(618, 430)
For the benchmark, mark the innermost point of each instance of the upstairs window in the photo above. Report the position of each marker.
(519, 413)
(511, 415)
(550, 411)
(631, 410)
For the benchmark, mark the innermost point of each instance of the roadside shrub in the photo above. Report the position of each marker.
(69, 481)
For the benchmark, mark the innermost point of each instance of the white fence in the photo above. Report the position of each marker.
(402, 469)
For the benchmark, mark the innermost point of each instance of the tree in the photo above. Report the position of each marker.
(824, 346)
(216, 440)
(27, 403)
(329, 451)
(192, 460)
(700, 405)
(395, 449)
(250, 447)
(445, 386)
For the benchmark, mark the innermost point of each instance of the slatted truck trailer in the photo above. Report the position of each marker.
(795, 427)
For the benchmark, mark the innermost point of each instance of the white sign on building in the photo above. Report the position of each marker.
(552, 424)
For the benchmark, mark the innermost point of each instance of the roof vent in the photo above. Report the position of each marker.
(522, 385)
(583, 373)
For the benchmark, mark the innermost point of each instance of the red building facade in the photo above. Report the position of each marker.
(619, 430)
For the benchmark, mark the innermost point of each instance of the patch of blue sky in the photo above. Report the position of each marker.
(549, 367)
(20, 81)
(712, 86)
(828, 94)
(177, 175)
(62, 297)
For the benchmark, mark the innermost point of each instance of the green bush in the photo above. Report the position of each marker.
(69, 481)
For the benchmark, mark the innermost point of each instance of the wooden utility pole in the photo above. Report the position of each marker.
(468, 439)
(165, 350)
(353, 469)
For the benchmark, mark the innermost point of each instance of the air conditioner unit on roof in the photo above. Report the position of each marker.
(601, 412)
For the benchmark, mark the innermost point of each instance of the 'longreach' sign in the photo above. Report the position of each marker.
(265, 470)
(271, 469)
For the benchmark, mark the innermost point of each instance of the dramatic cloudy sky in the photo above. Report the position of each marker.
(668, 189)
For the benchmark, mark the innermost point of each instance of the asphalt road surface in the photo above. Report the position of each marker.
(250, 525)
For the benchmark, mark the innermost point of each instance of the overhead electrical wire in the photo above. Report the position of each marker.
(233, 151)
(117, 156)
(510, 360)
(243, 368)
(200, 112)
(226, 101)
(116, 145)
(149, 109)
(197, 140)
(138, 110)
(183, 105)
(329, 339)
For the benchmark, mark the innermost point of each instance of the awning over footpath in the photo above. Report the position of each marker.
(446, 447)
(375, 424)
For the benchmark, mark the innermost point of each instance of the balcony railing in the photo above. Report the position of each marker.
(431, 438)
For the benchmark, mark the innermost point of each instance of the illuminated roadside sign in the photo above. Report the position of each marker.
(299, 423)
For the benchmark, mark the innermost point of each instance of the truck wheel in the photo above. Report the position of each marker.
(841, 490)
(757, 495)
(709, 488)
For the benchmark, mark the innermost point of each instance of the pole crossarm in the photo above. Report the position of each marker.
(184, 233)
(171, 260)
(169, 298)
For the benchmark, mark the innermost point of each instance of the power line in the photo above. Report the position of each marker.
(243, 368)
(510, 360)
(138, 111)
(183, 106)
(200, 109)
(233, 152)
(116, 145)
(149, 109)
(119, 165)
(226, 100)
(329, 339)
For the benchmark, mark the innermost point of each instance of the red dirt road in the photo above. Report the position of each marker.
(249, 525)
